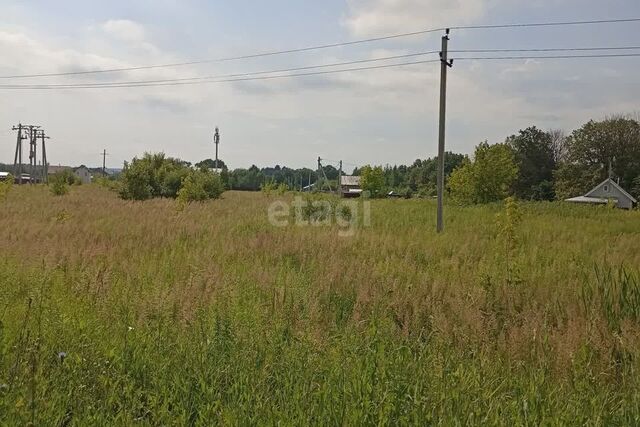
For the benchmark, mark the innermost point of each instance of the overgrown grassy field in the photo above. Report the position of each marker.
(129, 313)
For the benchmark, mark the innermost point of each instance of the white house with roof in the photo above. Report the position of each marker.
(608, 190)
(82, 172)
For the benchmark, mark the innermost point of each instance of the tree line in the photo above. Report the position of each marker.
(539, 165)
(532, 165)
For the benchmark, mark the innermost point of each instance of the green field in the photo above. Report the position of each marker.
(210, 315)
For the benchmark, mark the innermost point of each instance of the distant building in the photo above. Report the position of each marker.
(57, 169)
(350, 186)
(82, 172)
(607, 191)
(4, 176)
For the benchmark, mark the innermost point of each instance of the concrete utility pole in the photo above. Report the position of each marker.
(45, 164)
(104, 163)
(33, 153)
(17, 161)
(339, 189)
(445, 64)
(25, 132)
(216, 140)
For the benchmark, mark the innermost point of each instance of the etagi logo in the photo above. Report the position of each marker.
(348, 215)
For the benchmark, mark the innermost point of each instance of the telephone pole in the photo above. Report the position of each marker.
(17, 161)
(445, 64)
(45, 164)
(339, 188)
(104, 163)
(33, 153)
(216, 140)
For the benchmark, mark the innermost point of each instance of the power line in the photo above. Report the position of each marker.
(325, 46)
(480, 58)
(229, 76)
(183, 83)
(237, 77)
(316, 73)
(234, 58)
(545, 24)
(554, 49)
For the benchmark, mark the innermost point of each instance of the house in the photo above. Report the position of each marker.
(82, 172)
(350, 186)
(607, 191)
(52, 170)
(4, 176)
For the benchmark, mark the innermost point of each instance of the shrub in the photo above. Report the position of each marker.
(68, 177)
(200, 185)
(268, 188)
(282, 189)
(59, 186)
(154, 175)
(109, 184)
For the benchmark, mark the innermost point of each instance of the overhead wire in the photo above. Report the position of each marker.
(229, 76)
(481, 58)
(321, 47)
(124, 85)
(250, 76)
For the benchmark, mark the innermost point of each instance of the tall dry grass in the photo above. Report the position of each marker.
(210, 314)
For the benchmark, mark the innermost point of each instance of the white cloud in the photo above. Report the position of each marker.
(380, 17)
(125, 30)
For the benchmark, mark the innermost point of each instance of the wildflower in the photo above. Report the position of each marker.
(61, 356)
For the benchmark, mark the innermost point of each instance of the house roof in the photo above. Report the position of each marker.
(585, 199)
(350, 180)
(55, 169)
(614, 184)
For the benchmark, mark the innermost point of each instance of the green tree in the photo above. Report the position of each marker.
(593, 149)
(153, 175)
(488, 178)
(534, 154)
(211, 164)
(635, 188)
(372, 180)
(200, 185)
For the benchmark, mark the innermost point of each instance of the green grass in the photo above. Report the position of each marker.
(209, 315)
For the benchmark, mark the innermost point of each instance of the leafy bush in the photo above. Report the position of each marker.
(200, 185)
(268, 188)
(109, 184)
(59, 186)
(154, 175)
(67, 177)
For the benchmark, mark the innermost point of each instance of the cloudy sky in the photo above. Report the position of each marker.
(384, 116)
